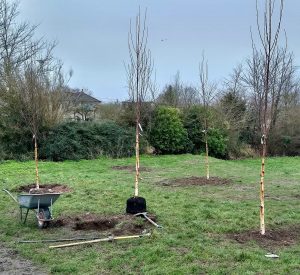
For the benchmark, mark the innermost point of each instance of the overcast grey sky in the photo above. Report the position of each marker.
(92, 37)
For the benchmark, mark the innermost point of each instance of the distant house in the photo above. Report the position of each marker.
(82, 106)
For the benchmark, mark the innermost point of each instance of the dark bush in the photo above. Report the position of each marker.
(86, 140)
(15, 142)
(193, 123)
(167, 134)
(217, 143)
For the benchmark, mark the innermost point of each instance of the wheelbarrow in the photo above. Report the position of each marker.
(41, 204)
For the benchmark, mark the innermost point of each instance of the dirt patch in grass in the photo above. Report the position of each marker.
(116, 224)
(44, 188)
(273, 237)
(12, 263)
(130, 168)
(282, 198)
(195, 181)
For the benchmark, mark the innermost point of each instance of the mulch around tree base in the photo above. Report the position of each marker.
(116, 224)
(130, 168)
(195, 181)
(278, 237)
(44, 188)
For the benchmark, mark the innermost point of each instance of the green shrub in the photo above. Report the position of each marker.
(167, 134)
(15, 142)
(86, 140)
(216, 138)
(217, 143)
(193, 122)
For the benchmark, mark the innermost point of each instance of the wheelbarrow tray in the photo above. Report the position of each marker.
(34, 201)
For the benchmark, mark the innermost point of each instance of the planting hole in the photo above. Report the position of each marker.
(278, 237)
(117, 224)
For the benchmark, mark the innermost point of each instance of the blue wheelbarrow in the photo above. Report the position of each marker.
(41, 204)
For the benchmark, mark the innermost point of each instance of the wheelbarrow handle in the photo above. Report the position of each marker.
(11, 195)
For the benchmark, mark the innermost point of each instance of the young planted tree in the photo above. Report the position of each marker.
(31, 81)
(268, 34)
(139, 71)
(39, 89)
(207, 93)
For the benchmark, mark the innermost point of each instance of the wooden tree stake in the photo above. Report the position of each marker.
(206, 156)
(137, 161)
(262, 187)
(206, 146)
(37, 180)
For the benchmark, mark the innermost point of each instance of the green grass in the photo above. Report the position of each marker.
(196, 219)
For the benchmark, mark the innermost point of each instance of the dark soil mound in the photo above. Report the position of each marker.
(195, 181)
(117, 224)
(44, 188)
(130, 168)
(273, 237)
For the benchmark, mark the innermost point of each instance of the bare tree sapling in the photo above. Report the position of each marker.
(139, 71)
(207, 93)
(268, 35)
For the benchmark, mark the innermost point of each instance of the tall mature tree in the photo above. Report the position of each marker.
(139, 71)
(232, 101)
(207, 93)
(268, 35)
(178, 95)
(17, 43)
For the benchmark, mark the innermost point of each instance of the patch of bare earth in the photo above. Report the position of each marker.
(12, 263)
(200, 181)
(44, 188)
(117, 224)
(273, 237)
(130, 168)
(282, 198)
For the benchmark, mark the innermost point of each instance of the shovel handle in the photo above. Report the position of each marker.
(151, 221)
(11, 195)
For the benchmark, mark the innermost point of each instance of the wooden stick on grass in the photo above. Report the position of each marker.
(100, 240)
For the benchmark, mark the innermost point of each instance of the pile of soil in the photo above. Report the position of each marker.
(273, 237)
(130, 168)
(195, 181)
(117, 224)
(44, 188)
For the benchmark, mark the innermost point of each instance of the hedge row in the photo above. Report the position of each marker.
(170, 133)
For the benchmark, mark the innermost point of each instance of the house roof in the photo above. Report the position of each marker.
(81, 97)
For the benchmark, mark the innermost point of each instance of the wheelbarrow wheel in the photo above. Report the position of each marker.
(42, 224)
(43, 215)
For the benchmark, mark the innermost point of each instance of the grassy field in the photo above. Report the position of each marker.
(198, 220)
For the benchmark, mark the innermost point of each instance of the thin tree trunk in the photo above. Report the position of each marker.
(137, 161)
(36, 164)
(206, 159)
(262, 187)
(206, 151)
